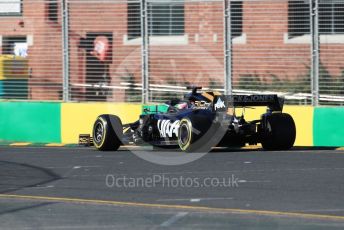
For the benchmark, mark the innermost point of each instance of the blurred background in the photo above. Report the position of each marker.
(149, 50)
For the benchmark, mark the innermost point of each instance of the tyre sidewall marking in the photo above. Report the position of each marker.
(104, 132)
(188, 123)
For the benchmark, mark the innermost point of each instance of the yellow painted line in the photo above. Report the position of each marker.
(20, 144)
(252, 147)
(132, 146)
(183, 207)
(55, 145)
(341, 148)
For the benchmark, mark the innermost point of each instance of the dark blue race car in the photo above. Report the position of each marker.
(199, 122)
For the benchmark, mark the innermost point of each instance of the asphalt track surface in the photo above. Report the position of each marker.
(80, 188)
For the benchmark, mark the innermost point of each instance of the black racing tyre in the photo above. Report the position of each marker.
(193, 132)
(278, 131)
(107, 132)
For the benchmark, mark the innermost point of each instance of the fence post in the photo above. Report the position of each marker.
(315, 51)
(65, 50)
(227, 47)
(144, 51)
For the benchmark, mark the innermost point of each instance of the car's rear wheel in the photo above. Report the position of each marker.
(107, 132)
(278, 131)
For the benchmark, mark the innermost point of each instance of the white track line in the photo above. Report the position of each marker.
(197, 199)
(173, 219)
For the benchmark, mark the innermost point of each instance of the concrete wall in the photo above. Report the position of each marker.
(54, 122)
(30, 122)
(77, 118)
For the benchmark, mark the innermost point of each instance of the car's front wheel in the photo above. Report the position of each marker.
(192, 134)
(107, 132)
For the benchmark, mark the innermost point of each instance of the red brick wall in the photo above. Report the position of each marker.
(200, 61)
(45, 53)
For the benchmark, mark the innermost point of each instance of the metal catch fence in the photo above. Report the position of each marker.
(149, 50)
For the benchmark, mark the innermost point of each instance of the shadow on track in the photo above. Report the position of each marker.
(253, 149)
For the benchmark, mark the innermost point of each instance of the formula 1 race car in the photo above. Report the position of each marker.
(199, 122)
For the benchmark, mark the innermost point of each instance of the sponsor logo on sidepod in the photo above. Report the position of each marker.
(219, 104)
(167, 128)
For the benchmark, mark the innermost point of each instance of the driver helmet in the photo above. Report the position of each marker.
(181, 105)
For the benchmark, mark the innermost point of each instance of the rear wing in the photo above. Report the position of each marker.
(223, 102)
